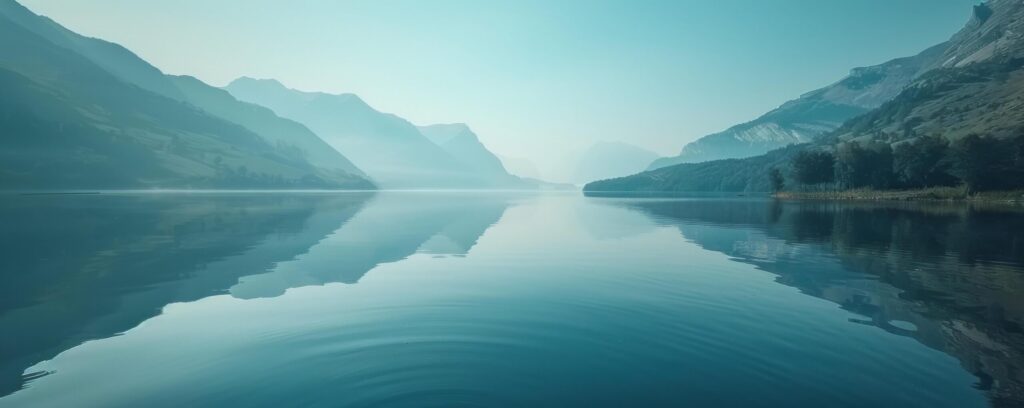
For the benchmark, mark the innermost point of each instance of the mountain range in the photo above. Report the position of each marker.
(822, 111)
(390, 149)
(84, 113)
(971, 84)
(811, 115)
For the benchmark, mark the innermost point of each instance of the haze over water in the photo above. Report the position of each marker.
(487, 299)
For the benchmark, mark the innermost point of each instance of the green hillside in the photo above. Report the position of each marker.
(68, 123)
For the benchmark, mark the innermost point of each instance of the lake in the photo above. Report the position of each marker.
(412, 299)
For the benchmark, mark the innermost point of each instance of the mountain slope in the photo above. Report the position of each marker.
(459, 141)
(287, 135)
(611, 159)
(812, 114)
(111, 57)
(977, 89)
(388, 148)
(291, 139)
(520, 167)
(993, 30)
(68, 123)
(984, 98)
(974, 86)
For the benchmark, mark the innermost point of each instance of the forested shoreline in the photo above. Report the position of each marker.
(927, 168)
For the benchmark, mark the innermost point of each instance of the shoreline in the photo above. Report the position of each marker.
(949, 194)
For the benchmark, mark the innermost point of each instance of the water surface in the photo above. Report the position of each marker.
(487, 299)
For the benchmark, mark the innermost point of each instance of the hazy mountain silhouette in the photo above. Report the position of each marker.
(287, 135)
(464, 145)
(611, 159)
(388, 148)
(520, 167)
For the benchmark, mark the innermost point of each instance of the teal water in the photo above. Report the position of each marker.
(487, 299)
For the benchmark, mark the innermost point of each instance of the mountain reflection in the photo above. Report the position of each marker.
(949, 276)
(391, 228)
(76, 268)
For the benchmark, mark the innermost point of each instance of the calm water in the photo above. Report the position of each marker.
(430, 299)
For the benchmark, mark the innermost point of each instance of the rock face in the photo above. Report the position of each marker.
(981, 13)
(995, 29)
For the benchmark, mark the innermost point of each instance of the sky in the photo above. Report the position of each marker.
(535, 79)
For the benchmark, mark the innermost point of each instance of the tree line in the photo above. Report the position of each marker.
(979, 163)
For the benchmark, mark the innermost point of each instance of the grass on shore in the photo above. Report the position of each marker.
(934, 193)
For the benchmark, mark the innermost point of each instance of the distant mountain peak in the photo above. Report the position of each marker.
(387, 147)
(451, 126)
(275, 87)
(250, 81)
(442, 133)
(608, 159)
(604, 144)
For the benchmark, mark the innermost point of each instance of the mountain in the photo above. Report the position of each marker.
(520, 167)
(83, 113)
(459, 140)
(811, 115)
(287, 135)
(390, 149)
(110, 57)
(977, 89)
(462, 144)
(993, 31)
(611, 159)
(974, 84)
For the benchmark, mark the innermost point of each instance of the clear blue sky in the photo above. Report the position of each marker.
(540, 79)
